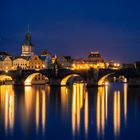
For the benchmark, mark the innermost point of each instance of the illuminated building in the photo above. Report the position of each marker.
(113, 65)
(5, 63)
(20, 62)
(54, 58)
(36, 63)
(94, 60)
(46, 57)
(27, 47)
(95, 57)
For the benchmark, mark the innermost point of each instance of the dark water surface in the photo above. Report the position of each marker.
(69, 113)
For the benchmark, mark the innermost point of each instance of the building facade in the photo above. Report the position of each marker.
(20, 62)
(94, 60)
(6, 63)
(36, 63)
(46, 57)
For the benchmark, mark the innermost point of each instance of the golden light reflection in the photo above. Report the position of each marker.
(35, 99)
(11, 111)
(79, 102)
(37, 111)
(29, 94)
(43, 111)
(117, 112)
(7, 106)
(6, 111)
(74, 110)
(102, 109)
(86, 114)
(64, 100)
(125, 102)
(106, 101)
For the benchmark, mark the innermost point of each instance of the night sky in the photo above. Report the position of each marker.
(73, 27)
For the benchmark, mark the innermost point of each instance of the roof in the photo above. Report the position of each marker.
(94, 55)
(4, 56)
(23, 57)
(45, 52)
(4, 53)
(43, 57)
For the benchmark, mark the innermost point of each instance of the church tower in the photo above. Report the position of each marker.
(27, 47)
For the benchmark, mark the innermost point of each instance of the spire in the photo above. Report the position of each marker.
(28, 28)
(28, 37)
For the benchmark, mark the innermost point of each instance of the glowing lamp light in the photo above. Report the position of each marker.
(118, 65)
(6, 71)
(73, 65)
(115, 64)
(106, 83)
(125, 80)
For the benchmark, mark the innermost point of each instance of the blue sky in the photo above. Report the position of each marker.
(73, 27)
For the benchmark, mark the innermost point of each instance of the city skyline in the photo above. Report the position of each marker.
(73, 28)
(69, 69)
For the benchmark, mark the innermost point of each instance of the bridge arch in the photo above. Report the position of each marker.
(101, 81)
(5, 77)
(29, 79)
(66, 78)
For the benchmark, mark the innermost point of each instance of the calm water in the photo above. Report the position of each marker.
(69, 113)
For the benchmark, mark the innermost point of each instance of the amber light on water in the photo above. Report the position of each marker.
(76, 112)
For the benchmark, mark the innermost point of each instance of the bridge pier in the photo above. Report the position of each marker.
(19, 83)
(92, 82)
(92, 78)
(55, 82)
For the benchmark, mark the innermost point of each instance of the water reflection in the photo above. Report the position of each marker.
(102, 109)
(7, 100)
(79, 102)
(84, 113)
(64, 101)
(35, 100)
(125, 102)
(116, 113)
(37, 114)
(43, 111)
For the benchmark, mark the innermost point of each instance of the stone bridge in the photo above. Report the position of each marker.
(60, 76)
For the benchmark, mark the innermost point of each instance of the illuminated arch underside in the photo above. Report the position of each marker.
(65, 79)
(5, 77)
(29, 79)
(102, 80)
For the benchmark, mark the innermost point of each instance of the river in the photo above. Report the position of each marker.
(69, 113)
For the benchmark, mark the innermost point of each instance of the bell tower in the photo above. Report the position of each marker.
(27, 47)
